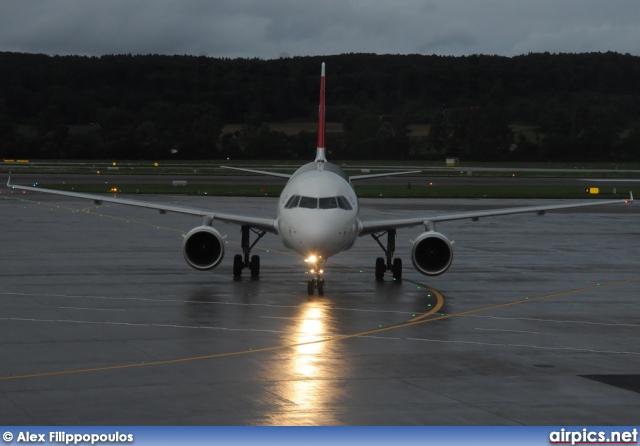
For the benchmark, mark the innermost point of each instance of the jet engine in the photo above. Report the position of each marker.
(432, 253)
(203, 248)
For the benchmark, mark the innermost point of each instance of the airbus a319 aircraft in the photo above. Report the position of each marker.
(317, 216)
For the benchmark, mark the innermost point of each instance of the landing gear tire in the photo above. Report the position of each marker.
(242, 261)
(254, 266)
(238, 265)
(310, 287)
(380, 268)
(397, 269)
(320, 286)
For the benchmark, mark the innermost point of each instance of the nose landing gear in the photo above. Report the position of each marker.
(317, 282)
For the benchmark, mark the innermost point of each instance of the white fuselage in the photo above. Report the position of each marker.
(318, 211)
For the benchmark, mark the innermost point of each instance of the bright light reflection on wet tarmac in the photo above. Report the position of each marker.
(305, 387)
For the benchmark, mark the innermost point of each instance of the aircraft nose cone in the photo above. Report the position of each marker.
(317, 232)
(317, 238)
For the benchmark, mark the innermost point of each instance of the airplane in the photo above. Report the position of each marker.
(318, 217)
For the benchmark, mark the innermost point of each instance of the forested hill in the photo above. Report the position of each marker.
(533, 107)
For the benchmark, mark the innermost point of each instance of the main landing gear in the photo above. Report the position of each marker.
(317, 282)
(388, 264)
(246, 260)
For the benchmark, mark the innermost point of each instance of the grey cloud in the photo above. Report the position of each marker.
(259, 28)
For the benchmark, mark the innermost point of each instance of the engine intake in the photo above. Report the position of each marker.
(432, 253)
(203, 248)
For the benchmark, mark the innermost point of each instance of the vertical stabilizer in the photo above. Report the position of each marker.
(320, 153)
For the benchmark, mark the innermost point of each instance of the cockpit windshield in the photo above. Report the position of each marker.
(328, 203)
(308, 202)
(339, 202)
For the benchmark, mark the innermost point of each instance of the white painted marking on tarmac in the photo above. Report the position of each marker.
(537, 347)
(381, 337)
(163, 301)
(92, 309)
(610, 180)
(511, 331)
(561, 321)
(134, 324)
(369, 310)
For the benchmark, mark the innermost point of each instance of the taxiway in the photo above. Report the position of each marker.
(103, 323)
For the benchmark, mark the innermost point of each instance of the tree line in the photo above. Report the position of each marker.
(539, 106)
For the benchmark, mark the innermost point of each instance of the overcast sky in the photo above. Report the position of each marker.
(274, 28)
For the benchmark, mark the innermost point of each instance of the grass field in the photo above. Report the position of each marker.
(212, 167)
(192, 170)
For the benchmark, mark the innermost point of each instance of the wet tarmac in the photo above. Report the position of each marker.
(103, 323)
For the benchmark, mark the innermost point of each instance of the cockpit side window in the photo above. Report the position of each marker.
(308, 202)
(343, 203)
(293, 202)
(328, 203)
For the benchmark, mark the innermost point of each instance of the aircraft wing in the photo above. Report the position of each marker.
(369, 227)
(377, 175)
(261, 172)
(351, 178)
(265, 224)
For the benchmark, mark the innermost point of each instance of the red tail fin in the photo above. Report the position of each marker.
(320, 154)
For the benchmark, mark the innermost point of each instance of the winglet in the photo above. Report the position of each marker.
(9, 182)
(630, 197)
(320, 152)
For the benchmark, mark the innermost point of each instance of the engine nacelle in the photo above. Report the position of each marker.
(432, 253)
(203, 248)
